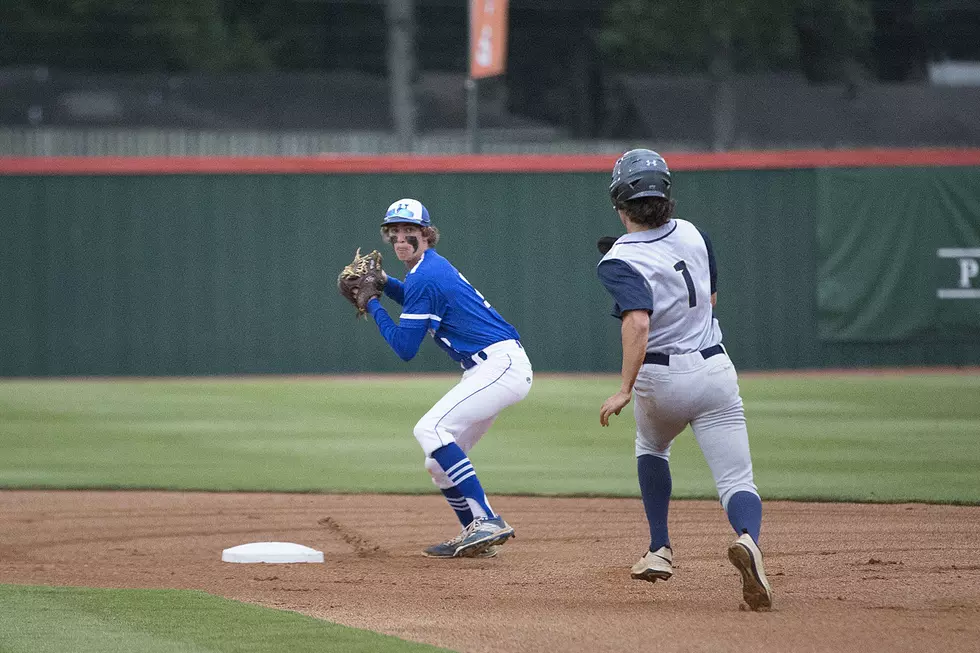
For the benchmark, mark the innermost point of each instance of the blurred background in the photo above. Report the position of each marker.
(140, 260)
(377, 76)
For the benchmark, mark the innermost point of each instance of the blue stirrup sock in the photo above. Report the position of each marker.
(460, 471)
(745, 514)
(655, 487)
(458, 503)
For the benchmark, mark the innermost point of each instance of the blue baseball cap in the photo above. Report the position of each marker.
(409, 211)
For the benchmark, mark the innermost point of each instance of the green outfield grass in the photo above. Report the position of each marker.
(81, 620)
(840, 438)
(848, 437)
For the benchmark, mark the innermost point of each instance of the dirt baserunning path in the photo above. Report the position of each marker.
(847, 577)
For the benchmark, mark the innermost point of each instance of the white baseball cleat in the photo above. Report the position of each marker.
(654, 565)
(747, 558)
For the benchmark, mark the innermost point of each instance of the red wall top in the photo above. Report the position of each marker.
(340, 164)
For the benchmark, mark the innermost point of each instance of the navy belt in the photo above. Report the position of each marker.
(468, 362)
(664, 359)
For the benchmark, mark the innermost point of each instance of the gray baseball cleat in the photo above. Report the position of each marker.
(747, 558)
(481, 534)
(448, 548)
(654, 565)
(478, 540)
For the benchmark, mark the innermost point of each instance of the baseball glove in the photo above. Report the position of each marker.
(361, 279)
(605, 243)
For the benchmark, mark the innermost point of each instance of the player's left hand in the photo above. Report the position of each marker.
(613, 405)
(362, 279)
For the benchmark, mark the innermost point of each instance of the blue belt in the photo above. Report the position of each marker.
(468, 362)
(664, 359)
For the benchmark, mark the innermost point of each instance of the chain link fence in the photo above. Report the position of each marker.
(184, 142)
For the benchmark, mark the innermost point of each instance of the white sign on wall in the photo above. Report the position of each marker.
(967, 273)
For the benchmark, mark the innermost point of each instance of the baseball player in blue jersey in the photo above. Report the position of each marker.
(437, 300)
(663, 278)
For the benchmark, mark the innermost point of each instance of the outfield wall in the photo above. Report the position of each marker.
(150, 266)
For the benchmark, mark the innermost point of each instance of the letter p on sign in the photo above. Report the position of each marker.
(969, 269)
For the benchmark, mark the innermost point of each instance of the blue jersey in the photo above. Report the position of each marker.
(438, 300)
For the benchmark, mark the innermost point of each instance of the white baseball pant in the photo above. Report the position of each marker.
(468, 410)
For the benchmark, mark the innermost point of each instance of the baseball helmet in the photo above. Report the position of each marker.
(409, 211)
(639, 173)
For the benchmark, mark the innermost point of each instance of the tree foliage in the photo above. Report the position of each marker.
(824, 39)
(913, 32)
(126, 35)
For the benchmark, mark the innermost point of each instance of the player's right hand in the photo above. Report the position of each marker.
(613, 405)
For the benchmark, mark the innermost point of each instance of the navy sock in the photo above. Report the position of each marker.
(458, 503)
(745, 513)
(460, 471)
(655, 487)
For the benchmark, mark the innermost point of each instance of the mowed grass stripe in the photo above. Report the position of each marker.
(83, 620)
(912, 437)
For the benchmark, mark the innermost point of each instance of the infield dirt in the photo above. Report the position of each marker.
(846, 577)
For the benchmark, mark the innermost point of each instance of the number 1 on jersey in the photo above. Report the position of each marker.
(692, 298)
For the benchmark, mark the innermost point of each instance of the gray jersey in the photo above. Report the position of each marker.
(670, 272)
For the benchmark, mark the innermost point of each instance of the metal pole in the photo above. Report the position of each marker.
(472, 97)
(472, 116)
(723, 110)
(401, 70)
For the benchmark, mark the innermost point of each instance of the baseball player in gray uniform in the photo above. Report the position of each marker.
(663, 278)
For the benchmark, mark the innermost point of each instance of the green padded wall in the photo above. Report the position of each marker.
(226, 274)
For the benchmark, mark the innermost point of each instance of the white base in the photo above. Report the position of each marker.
(271, 552)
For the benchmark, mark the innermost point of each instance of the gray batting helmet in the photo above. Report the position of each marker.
(639, 173)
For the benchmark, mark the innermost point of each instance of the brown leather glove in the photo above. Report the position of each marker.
(362, 279)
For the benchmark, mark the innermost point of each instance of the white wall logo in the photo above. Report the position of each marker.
(968, 267)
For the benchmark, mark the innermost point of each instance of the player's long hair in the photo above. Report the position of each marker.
(431, 235)
(648, 211)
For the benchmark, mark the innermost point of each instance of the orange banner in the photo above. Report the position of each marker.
(488, 38)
